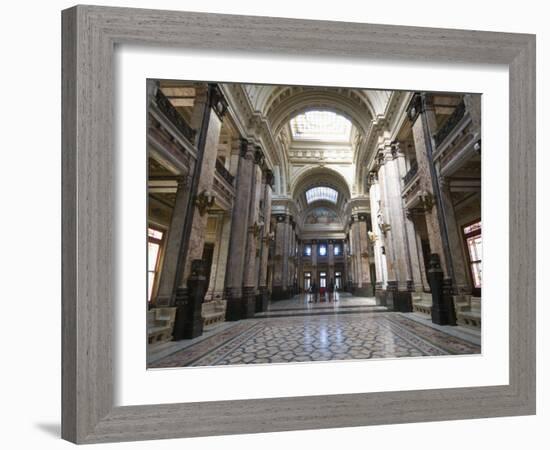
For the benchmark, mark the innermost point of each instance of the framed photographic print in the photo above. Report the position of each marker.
(265, 229)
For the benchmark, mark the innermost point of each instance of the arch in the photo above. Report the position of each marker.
(279, 115)
(311, 176)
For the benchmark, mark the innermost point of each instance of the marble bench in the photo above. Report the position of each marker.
(422, 302)
(213, 312)
(468, 310)
(160, 322)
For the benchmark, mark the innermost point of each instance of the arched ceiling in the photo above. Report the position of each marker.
(320, 176)
(265, 98)
(320, 160)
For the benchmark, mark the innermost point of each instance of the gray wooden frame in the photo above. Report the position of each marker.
(89, 36)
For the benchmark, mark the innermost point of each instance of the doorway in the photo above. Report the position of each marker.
(307, 281)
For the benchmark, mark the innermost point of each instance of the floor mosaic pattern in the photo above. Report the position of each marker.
(319, 337)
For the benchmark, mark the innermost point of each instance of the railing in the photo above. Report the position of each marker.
(411, 173)
(449, 125)
(224, 173)
(174, 116)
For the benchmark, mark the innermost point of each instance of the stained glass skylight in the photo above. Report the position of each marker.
(321, 126)
(322, 193)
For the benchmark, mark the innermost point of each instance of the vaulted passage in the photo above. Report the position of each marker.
(291, 224)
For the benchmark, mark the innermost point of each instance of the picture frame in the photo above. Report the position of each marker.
(90, 34)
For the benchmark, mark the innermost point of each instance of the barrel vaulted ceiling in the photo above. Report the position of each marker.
(329, 160)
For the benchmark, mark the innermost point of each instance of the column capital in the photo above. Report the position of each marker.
(246, 149)
(372, 177)
(217, 100)
(259, 157)
(396, 149)
(269, 178)
(380, 157)
(418, 104)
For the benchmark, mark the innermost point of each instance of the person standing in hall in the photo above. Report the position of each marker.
(313, 292)
(331, 290)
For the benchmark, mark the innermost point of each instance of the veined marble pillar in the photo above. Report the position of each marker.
(266, 239)
(330, 274)
(461, 279)
(364, 285)
(254, 229)
(217, 281)
(280, 267)
(422, 143)
(353, 253)
(378, 246)
(204, 174)
(314, 263)
(168, 274)
(346, 274)
(382, 229)
(239, 231)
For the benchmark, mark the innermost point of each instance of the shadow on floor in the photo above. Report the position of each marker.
(53, 429)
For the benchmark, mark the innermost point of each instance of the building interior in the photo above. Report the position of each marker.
(297, 223)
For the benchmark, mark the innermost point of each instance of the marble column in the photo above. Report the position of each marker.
(330, 274)
(354, 253)
(382, 229)
(458, 255)
(239, 232)
(173, 250)
(314, 263)
(266, 239)
(217, 284)
(254, 228)
(280, 265)
(378, 245)
(204, 176)
(422, 144)
(364, 285)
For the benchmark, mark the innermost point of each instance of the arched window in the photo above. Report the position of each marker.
(321, 126)
(321, 193)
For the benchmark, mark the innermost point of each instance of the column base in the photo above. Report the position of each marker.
(262, 300)
(242, 307)
(188, 323)
(381, 297)
(365, 291)
(395, 299)
(402, 301)
(279, 293)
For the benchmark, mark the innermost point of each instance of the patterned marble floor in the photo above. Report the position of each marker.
(355, 329)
